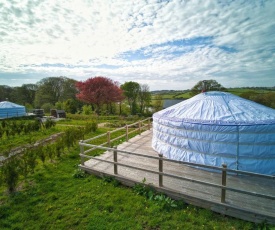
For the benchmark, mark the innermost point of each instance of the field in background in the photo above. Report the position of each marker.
(185, 94)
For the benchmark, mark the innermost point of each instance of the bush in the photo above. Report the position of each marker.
(49, 123)
(10, 173)
(87, 109)
(47, 107)
(162, 200)
(79, 173)
(90, 127)
(81, 116)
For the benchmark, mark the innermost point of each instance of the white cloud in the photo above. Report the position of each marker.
(239, 40)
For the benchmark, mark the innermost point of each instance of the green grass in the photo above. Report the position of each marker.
(59, 196)
(183, 96)
(22, 139)
(52, 198)
(187, 95)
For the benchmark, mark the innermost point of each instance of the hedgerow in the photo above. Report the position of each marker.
(20, 165)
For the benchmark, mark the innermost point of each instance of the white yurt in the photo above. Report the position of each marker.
(9, 109)
(213, 128)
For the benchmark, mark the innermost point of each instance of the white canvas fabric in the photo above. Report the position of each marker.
(9, 109)
(213, 128)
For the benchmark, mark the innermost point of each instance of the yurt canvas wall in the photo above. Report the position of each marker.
(9, 109)
(213, 128)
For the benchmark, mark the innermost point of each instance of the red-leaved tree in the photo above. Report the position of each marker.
(99, 91)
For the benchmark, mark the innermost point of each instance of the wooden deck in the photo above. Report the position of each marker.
(247, 207)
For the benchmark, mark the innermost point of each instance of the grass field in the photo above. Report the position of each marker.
(186, 94)
(59, 196)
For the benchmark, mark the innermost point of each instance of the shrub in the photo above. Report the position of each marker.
(10, 173)
(49, 123)
(162, 200)
(79, 173)
(47, 107)
(31, 156)
(41, 153)
(90, 127)
(87, 109)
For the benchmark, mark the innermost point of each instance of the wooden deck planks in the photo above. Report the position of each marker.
(238, 205)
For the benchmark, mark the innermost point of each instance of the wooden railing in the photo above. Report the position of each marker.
(160, 173)
(136, 127)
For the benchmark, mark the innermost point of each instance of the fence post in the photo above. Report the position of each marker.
(148, 124)
(108, 139)
(115, 160)
(81, 151)
(127, 137)
(139, 127)
(160, 170)
(223, 182)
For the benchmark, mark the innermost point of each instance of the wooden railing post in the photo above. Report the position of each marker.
(149, 124)
(108, 139)
(115, 160)
(127, 137)
(81, 152)
(160, 170)
(223, 182)
(139, 127)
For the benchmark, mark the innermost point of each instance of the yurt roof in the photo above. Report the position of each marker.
(218, 108)
(8, 105)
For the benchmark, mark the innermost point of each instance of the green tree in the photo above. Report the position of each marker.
(87, 109)
(5, 92)
(206, 85)
(47, 107)
(58, 105)
(54, 89)
(144, 98)
(23, 95)
(29, 107)
(131, 91)
(158, 103)
(71, 105)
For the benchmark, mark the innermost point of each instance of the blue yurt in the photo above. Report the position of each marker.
(9, 109)
(213, 128)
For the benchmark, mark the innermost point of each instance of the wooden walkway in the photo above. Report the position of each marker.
(247, 207)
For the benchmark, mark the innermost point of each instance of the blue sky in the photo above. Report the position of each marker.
(165, 44)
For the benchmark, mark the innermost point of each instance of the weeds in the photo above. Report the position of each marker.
(10, 173)
(161, 200)
(79, 173)
(111, 180)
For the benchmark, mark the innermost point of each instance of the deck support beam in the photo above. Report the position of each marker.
(82, 152)
(115, 161)
(223, 183)
(127, 133)
(160, 170)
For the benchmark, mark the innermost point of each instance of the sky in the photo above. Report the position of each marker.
(164, 44)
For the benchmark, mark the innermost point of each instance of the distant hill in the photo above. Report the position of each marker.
(185, 94)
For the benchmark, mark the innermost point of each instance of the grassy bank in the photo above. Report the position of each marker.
(58, 196)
